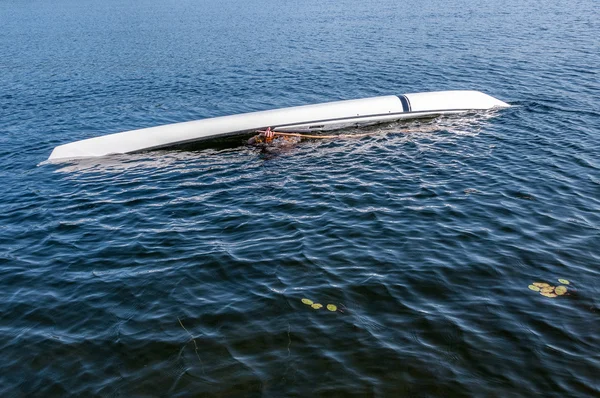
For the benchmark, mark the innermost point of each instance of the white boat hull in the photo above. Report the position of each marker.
(307, 118)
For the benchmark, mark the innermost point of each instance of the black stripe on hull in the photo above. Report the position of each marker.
(405, 103)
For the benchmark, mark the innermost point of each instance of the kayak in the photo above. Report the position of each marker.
(300, 119)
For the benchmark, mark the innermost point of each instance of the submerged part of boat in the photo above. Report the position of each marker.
(301, 119)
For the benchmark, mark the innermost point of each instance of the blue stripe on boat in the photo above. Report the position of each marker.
(405, 103)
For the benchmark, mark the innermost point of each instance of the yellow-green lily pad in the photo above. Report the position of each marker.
(540, 284)
(534, 288)
(564, 281)
(560, 290)
(549, 289)
(331, 307)
(317, 306)
(307, 301)
(551, 295)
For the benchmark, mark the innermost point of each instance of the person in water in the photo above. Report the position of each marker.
(269, 139)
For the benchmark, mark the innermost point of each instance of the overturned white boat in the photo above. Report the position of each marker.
(300, 119)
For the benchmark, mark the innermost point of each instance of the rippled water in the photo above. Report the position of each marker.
(181, 272)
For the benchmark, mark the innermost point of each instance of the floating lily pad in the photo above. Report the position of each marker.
(551, 295)
(549, 289)
(564, 281)
(331, 307)
(560, 290)
(534, 288)
(540, 284)
(317, 306)
(307, 301)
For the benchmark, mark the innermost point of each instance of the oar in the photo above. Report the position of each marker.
(319, 136)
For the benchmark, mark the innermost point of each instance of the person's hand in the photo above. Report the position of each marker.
(269, 133)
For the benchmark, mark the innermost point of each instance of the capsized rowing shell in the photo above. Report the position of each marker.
(307, 118)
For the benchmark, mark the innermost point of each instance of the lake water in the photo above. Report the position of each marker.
(181, 272)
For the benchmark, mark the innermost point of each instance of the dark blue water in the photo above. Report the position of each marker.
(181, 272)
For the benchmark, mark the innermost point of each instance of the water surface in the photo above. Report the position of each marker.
(181, 272)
